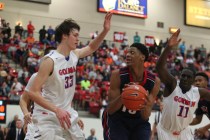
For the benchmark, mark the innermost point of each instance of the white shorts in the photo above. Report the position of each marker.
(46, 126)
(164, 134)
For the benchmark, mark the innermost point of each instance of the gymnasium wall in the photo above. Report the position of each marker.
(170, 12)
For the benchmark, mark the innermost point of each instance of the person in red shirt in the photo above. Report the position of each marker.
(30, 28)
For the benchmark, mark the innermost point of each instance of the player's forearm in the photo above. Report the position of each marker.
(114, 105)
(94, 44)
(162, 60)
(36, 97)
(23, 106)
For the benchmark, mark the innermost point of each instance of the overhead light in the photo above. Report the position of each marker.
(173, 30)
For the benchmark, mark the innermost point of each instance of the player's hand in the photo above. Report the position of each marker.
(200, 132)
(81, 124)
(148, 103)
(174, 39)
(107, 21)
(63, 117)
(28, 118)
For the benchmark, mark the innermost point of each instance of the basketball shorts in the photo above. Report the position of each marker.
(164, 134)
(46, 126)
(117, 127)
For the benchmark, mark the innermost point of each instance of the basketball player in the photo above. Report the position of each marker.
(201, 81)
(120, 123)
(180, 98)
(52, 113)
(25, 103)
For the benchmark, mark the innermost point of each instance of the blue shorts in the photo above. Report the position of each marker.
(118, 127)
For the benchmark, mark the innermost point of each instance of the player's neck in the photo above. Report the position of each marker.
(63, 50)
(137, 74)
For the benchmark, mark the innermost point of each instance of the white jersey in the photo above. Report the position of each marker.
(30, 81)
(179, 108)
(59, 88)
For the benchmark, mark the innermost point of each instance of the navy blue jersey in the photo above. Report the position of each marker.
(127, 124)
(203, 108)
(125, 78)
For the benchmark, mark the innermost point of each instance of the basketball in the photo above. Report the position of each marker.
(133, 96)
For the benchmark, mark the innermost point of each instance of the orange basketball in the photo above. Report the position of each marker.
(133, 96)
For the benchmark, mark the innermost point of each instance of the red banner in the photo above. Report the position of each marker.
(149, 40)
(118, 36)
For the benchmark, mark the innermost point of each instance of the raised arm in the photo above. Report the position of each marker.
(162, 71)
(114, 96)
(94, 44)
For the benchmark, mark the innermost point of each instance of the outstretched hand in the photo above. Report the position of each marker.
(174, 39)
(107, 21)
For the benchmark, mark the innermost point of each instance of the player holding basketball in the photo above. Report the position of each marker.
(180, 98)
(52, 113)
(120, 123)
(201, 80)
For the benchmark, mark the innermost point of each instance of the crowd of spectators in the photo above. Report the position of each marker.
(93, 72)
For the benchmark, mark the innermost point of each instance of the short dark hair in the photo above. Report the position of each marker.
(64, 28)
(190, 69)
(203, 74)
(142, 48)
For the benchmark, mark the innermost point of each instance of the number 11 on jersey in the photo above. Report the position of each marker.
(183, 111)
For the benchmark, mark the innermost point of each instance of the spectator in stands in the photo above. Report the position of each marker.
(30, 28)
(30, 39)
(190, 51)
(42, 34)
(8, 30)
(160, 47)
(182, 49)
(95, 34)
(85, 83)
(203, 51)
(1, 133)
(92, 74)
(136, 38)
(9, 80)
(12, 48)
(12, 124)
(124, 44)
(4, 89)
(24, 71)
(104, 45)
(16, 89)
(19, 29)
(6, 39)
(50, 33)
(17, 132)
(92, 135)
(81, 45)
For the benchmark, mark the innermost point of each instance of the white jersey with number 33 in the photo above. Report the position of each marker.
(179, 108)
(59, 88)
